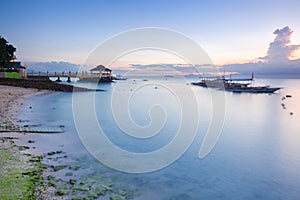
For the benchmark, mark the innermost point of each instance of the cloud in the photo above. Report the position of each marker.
(277, 62)
(52, 66)
(280, 49)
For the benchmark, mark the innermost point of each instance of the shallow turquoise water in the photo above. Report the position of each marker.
(256, 157)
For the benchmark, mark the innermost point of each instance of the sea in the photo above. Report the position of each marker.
(167, 139)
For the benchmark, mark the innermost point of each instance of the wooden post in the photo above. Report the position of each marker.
(58, 79)
(55, 74)
(40, 74)
(63, 74)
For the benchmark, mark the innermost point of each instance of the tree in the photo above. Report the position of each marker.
(7, 52)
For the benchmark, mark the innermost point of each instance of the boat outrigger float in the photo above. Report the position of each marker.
(234, 85)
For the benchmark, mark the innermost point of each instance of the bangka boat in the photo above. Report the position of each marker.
(234, 85)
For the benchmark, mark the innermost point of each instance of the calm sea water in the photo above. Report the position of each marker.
(257, 155)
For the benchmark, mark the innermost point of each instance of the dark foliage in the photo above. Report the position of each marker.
(7, 52)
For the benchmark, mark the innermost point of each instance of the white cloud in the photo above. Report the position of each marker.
(277, 62)
(280, 49)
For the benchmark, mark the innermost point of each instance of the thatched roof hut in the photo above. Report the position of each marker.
(100, 69)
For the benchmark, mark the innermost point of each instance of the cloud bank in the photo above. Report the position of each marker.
(52, 66)
(280, 49)
(277, 62)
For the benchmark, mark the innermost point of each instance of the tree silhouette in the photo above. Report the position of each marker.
(7, 52)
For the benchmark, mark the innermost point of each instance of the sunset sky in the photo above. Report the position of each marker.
(230, 32)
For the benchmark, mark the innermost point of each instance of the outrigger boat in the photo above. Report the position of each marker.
(234, 85)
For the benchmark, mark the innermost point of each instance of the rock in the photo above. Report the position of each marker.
(61, 192)
(116, 197)
(72, 181)
(81, 188)
(42, 84)
(51, 153)
(58, 167)
(69, 174)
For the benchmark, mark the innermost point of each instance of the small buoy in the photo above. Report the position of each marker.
(155, 87)
(30, 107)
(288, 96)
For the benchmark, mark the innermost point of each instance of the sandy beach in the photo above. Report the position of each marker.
(10, 100)
(20, 169)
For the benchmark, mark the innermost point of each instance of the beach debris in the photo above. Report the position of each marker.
(30, 107)
(291, 113)
(283, 98)
(155, 87)
(283, 106)
(31, 141)
(288, 96)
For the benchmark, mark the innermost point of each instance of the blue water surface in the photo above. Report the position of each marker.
(256, 157)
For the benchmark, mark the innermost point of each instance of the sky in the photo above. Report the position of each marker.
(231, 32)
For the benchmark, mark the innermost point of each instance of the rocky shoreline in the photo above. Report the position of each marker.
(20, 170)
(42, 84)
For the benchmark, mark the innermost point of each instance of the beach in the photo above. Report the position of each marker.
(20, 166)
(11, 99)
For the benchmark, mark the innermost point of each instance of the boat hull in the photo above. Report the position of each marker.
(236, 87)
